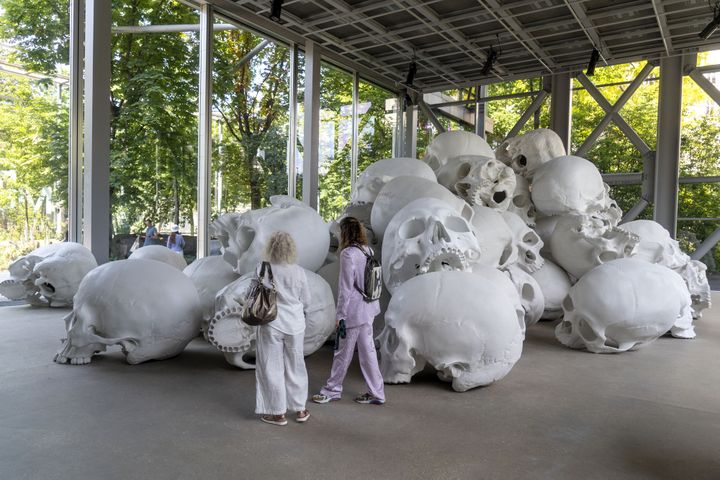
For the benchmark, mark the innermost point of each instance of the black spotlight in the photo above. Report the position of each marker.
(712, 26)
(594, 57)
(412, 70)
(492, 55)
(276, 10)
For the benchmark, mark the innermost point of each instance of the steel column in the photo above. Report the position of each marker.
(312, 125)
(561, 107)
(292, 123)
(410, 126)
(480, 91)
(431, 116)
(75, 138)
(355, 123)
(707, 245)
(96, 171)
(204, 165)
(636, 210)
(706, 85)
(668, 143)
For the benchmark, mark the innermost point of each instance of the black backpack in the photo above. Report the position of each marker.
(372, 288)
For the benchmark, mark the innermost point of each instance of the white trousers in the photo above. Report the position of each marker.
(281, 378)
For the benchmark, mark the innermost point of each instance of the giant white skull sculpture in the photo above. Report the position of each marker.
(525, 153)
(161, 254)
(544, 227)
(452, 144)
(403, 190)
(501, 279)
(526, 241)
(568, 184)
(582, 242)
(656, 246)
(555, 285)
(427, 235)
(466, 327)
(530, 293)
(49, 276)
(210, 275)
(150, 309)
(244, 236)
(496, 240)
(622, 305)
(237, 340)
(379, 173)
(521, 203)
(479, 180)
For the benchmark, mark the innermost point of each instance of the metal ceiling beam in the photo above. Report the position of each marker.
(179, 28)
(578, 11)
(662, 24)
(706, 85)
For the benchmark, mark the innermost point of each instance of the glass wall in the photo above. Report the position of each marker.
(335, 148)
(377, 121)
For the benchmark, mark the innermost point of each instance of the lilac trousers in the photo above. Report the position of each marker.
(362, 336)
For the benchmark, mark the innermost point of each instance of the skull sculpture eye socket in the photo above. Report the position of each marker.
(457, 224)
(411, 228)
(521, 160)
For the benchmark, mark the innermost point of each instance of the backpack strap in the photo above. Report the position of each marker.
(368, 255)
(263, 267)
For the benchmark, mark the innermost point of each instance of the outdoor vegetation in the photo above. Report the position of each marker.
(154, 126)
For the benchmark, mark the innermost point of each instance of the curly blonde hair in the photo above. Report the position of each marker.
(280, 248)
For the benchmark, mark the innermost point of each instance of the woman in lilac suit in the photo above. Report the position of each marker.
(358, 315)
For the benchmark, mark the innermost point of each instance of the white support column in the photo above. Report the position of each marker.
(480, 92)
(561, 107)
(355, 134)
(409, 134)
(75, 137)
(312, 125)
(204, 130)
(667, 168)
(96, 176)
(398, 130)
(292, 122)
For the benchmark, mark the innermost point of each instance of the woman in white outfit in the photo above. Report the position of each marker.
(282, 382)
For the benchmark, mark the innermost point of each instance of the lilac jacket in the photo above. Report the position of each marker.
(351, 306)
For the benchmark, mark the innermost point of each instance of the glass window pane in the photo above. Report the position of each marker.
(376, 127)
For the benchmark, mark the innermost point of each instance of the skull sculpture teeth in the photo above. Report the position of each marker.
(210, 275)
(483, 181)
(525, 153)
(150, 309)
(427, 235)
(463, 325)
(49, 276)
(623, 305)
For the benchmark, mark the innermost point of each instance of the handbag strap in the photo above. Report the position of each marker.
(261, 275)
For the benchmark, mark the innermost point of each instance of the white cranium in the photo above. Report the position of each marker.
(479, 180)
(555, 285)
(544, 227)
(495, 238)
(582, 242)
(147, 307)
(49, 276)
(244, 236)
(525, 153)
(452, 144)
(403, 190)
(427, 235)
(237, 340)
(622, 305)
(463, 325)
(379, 173)
(530, 293)
(521, 203)
(527, 242)
(210, 275)
(568, 184)
(159, 253)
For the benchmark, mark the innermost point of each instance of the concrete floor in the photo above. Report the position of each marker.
(559, 414)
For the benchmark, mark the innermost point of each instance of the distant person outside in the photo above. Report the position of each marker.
(175, 241)
(151, 234)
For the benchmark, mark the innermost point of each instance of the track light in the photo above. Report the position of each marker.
(492, 55)
(276, 10)
(412, 70)
(712, 26)
(594, 57)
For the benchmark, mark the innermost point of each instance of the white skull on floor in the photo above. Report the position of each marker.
(479, 180)
(521, 202)
(555, 285)
(244, 236)
(379, 173)
(427, 235)
(582, 242)
(159, 253)
(210, 275)
(452, 144)
(530, 293)
(526, 241)
(463, 325)
(496, 240)
(525, 153)
(150, 309)
(623, 305)
(49, 276)
(237, 340)
(403, 190)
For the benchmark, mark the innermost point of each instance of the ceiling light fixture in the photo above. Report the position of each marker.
(594, 57)
(276, 10)
(714, 23)
(492, 56)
